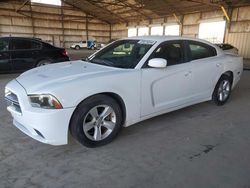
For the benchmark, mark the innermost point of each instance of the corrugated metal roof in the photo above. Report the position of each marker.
(123, 11)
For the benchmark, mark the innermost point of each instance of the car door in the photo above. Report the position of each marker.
(5, 60)
(24, 53)
(168, 87)
(84, 44)
(207, 67)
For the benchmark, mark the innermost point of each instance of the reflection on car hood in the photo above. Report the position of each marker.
(59, 73)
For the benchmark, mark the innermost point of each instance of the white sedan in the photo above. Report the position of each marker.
(128, 81)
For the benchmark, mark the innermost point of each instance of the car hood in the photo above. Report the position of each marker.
(59, 73)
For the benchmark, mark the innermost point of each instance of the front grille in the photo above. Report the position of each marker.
(12, 101)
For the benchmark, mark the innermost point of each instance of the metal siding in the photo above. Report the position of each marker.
(240, 41)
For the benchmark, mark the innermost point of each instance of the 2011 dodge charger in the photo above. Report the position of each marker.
(128, 81)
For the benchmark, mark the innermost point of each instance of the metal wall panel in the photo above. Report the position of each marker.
(241, 41)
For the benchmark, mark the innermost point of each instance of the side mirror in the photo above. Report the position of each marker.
(157, 63)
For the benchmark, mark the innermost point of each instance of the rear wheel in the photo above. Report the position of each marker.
(42, 63)
(222, 90)
(77, 47)
(96, 121)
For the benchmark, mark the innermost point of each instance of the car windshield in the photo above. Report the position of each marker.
(122, 54)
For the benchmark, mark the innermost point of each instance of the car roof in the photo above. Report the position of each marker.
(166, 38)
(30, 38)
(160, 39)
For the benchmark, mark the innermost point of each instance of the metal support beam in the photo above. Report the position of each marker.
(181, 25)
(32, 20)
(121, 19)
(110, 32)
(87, 12)
(138, 10)
(164, 29)
(204, 3)
(177, 19)
(87, 27)
(228, 24)
(225, 13)
(24, 3)
(62, 20)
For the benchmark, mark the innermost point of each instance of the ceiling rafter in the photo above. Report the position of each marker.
(108, 11)
(135, 9)
(124, 11)
(89, 15)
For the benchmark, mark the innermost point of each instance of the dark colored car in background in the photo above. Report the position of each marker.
(18, 54)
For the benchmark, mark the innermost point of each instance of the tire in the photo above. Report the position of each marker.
(222, 90)
(77, 47)
(96, 121)
(43, 62)
(92, 47)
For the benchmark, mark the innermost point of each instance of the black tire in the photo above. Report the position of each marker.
(77, 47)
(218, 100)
(82, 112)
(43, 62)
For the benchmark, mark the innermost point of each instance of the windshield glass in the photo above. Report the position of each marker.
(122, 54)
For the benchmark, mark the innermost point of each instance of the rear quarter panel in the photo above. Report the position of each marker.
(234, 64)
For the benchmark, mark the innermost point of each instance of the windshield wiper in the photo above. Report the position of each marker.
(86, 59)
(102, 62)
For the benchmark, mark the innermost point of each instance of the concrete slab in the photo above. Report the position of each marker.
(199, 146)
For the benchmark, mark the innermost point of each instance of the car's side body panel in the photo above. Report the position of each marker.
(95, 79)
(205, 73)
(165, 88)
(233, 63)
(128, 91)
(146, 92)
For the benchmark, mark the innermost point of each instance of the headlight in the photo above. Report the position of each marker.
(44, 101)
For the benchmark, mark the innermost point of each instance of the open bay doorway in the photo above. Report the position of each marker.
(212, 31)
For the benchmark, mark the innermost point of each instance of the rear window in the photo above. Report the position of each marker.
(227, 47)
(36, 45)
(4, 44)
(24, 44)
(200, 50)
(47, 45)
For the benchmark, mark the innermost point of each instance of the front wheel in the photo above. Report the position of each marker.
(96, 121)
(222, 90)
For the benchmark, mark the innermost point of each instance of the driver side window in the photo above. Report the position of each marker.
(172, 51)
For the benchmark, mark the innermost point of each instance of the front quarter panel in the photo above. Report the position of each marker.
(125, 83)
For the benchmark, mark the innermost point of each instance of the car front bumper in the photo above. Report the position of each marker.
(45, 125)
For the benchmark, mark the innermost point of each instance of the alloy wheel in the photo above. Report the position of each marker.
(99, 122)
(224, 90)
